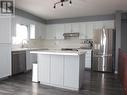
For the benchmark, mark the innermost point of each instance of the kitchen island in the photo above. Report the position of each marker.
(63, 69)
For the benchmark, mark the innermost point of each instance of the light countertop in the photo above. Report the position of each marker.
(58, 52)
(28, 49)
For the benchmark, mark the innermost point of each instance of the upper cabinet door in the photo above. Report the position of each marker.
(51, 32)
(109, 24)
(72, 28)
(86, 30)
(5, 29)
(104, 24)
(83, 31)
(89, 30)
(59, 29)
(75, 27)
(97, 25)
(67, 28)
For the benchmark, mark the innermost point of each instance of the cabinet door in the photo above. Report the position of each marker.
(109, 24)
(59, 29)
(89, 30)
(75, 27)
(67, 28)
(18, 62)
(71, 71)
(97, 25)
(5, 60)
(44, 68)
(57, 70)
(51, 32)
(83, 31)
(15, 63)
(88, 59)
(40, 30)
(22, 61)
(5, 30)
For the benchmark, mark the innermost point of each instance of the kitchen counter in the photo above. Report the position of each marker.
(60, 68)
(58, 52)
(28, 49)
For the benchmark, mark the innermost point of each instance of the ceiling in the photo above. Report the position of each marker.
(79, 8)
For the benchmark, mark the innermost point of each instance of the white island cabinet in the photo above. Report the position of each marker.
(62, 69)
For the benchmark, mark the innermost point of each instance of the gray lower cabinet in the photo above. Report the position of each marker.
(18, 62)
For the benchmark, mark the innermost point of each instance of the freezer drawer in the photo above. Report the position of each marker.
(102, 63)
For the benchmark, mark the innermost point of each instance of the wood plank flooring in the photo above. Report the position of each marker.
(94, 84)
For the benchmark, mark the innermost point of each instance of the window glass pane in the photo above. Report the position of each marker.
(32, 31)
(21, 34)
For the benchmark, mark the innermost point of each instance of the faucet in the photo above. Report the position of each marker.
(24, 41)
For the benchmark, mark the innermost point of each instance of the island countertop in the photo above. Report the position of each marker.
(58, 52)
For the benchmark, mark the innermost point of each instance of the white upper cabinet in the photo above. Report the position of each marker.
(72, 28)
(97, 25)
(55, 31)
(50, 33)
(5, 29)
(86, 29)
(104, 24)
(89, 30)
(75, 27)
(40, 30)
(83, 31)
(59, 31)
(109, 24)
(67, 28)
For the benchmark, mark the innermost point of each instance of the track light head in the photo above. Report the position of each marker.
(54, 6)
(62, 4)
(70, 3)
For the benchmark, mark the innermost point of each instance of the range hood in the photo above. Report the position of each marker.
(66, 35)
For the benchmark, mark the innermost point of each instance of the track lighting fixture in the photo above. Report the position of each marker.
(62, 3)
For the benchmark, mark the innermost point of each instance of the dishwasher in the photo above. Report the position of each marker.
(18, 62)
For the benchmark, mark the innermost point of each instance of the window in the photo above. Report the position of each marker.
(32, 31)
(21, 34)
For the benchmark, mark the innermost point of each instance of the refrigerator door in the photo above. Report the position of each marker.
(103, 41)
(103, 50)
(102, 63)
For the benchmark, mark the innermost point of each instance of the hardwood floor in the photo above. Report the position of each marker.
(94, 84)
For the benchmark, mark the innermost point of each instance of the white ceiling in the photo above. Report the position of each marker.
(79, 8)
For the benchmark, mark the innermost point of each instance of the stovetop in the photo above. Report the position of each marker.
(69, 49)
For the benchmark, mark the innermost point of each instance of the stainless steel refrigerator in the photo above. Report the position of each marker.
(103, 50)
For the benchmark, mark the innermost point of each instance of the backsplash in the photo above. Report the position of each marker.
(54, 44)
